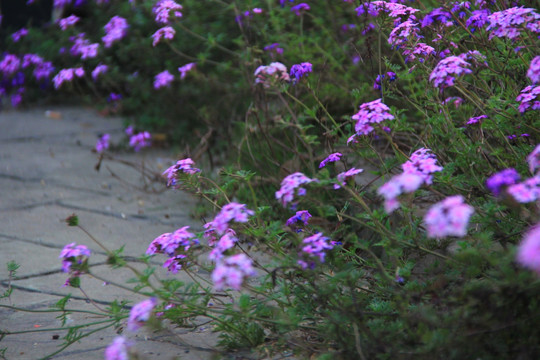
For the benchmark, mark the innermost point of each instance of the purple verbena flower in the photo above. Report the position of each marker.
(534, 70)
(438, 15)
(510, 22)
(140, 313)
(115, 30)
(456, 100)
(476, 119)
(231, 212)
(399, 184)
(18, 35)
(163, 9)
(67, 75)
(140, 140)
(273, 49)
(344, 176)
(421, 50)
(68, 22)
(526, 191)
(61, 3)
(373, 112)
(291, 186)
(403, 33)
(118, 349)
(393, 9)
(232, 272)
(10, 64)
(171, 243)
(100, 69)
(449, 217)
(447, 70)
(528, 98)
(163, 79)
(166, 32)
(181, 166)
(330, 158)
(103, 143)
(498, 181)
(268, 75)
(478, 19)
(301, 216)
(534, 159)
(73, 254)
(301, 70)
(528, 251)
(185, 69)
(300, 9)
(423, 163)
(314, 246)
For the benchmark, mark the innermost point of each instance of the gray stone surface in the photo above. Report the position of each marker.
(46, 174)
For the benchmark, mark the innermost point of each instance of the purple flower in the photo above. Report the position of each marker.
(302, 216)
(68, 22)
(528, 251)
(140, 313)
(166, 32)
(67, 75)
(449, 217)
(170, 243)
(185, 69)
(403, 33)
(103, 143)
(498, 181)
(373, 9)
(163, 79)
(510, 22)
(534, 70)
(534, 159)
(478, 19)
(526, 191)
(291, 186)
(274, 49)
(422, 50)
(447, 70)
(10, 64)
(314, 246)
(129, 131)
(456, 100)
(43, 70)
(100, 69)
(528, 98)
(140, 140)
(61, 3)
(300, 8)
(73, 254)
(118, 349)
(399, 184)
(18, 35)
(231, 212)
(232, 272)
(163, 10)
(115, 30)
(181, 166)
(301, 70)
(423, 163)
(268, 75)
(330, 158)
(476, 119)
(437, 15)
(370, 113)
(344, 176)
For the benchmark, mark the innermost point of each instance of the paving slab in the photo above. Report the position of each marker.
(47, 172)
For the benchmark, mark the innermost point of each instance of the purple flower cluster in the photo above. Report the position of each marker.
(140, 140)
(73, 254)
(390, 75)
(163, 10)
(497, 182)
(165, 32)
(534, 70)
(314, 246)
(344, 176)
(301, 216)
(526, 191)
(83, 47)
(291, 186)
(42, 69)
(528, 251)
(230, 212)
(67, 75)
(301, 70)
(393, 9)
(528, 99)
(420, 50)
(273, 49)
(267, 75)
(140, 313)
(103, 143)
(163, 79)
(438, 15)
(418, 170)
(68, 22)
(115, 30)
(447, 70)
(510, 22)
(534, 160)
(300, 9)
(10, 64)
(449, 217)
(232, 272)
(404, 33)
(118, 349)
(185, 69)
(476, 119)
(100, 69)
(478, 19)
(456, 100)
(175, 245)
(370, 113)
(330, 158)
(182, 166)
(18, 35)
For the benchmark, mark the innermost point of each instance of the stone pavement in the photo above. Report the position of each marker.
(46, 174)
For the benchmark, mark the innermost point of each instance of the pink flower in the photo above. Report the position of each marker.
(163, 10)
(422, 163)
(181, 166)
(406, 182)
(232, 272)
(344, 176)
(447, 70)
(270, 74)
(166, 32)
(290, 186)
(185, 69)
(528, 251)
(140, 314)
(373, 112)
(526, 191)
(118, 349)
(449, 217)
(231, 212)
